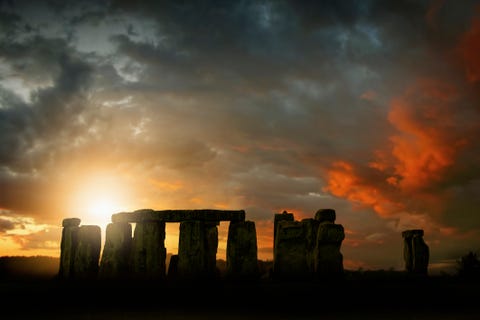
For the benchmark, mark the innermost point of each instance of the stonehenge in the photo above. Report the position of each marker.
(143, 256)
(307, 248)
(415, 252)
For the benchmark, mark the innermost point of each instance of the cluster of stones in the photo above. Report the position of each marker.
(143, 256)
(80, 250)
(309, 248)
(415, 252)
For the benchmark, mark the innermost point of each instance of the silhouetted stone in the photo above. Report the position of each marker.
(191, 250)
(415, 251)
(179, 215)
(148, 250)
(68, 247)
(71, 222)
(325, 215)
(290, 260)
(87, 253)
(242, 261)
(328, 259)
(115, 260)
(311, 229)
(211, 246)
(284, 216)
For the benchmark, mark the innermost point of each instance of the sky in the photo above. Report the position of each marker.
(371, 108)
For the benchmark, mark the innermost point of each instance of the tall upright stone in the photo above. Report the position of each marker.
(115, 262)
(87, 253)
(284, 216)
(68, 246)
(242, 261)
(310, 227)
(290, 259)
(211, 246)
(191, 250)
(415, 252)
(328, 260)
(148, 250)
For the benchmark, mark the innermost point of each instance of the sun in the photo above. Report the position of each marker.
(95, 198)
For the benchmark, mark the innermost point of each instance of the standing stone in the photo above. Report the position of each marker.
(68, 246)
(310, 227)
(290, 260)
(87, 254)
(242, 261)
(115, 261)
(211, 246)
(148, 250)
(284, 216)
(415, 252)
(328, 259)
(191, 250)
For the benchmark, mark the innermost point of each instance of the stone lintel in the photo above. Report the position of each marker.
(179, 215)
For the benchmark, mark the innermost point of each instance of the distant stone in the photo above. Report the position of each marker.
(148, 250)
(115, 262)
(87, 253)
(71, 222)
(415, 251)
(242, 260)
(290, 259)
(325, 215)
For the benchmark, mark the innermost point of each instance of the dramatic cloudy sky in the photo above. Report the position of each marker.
(368, 107)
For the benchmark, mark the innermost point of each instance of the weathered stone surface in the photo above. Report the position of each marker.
(68, 247)
(191, 250)
(415, 251)
(115, 262)
(284, 216)
(242, 261)
(148, 250)
(71, 222)
(87, 253)
(310, 227)
(330, 233)
(328, 259)
(325, 215)
(179, 215)
(290, 259)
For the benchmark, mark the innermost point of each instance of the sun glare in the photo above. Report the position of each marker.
(97, 198)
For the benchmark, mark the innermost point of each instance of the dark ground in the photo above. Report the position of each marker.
(357, 296)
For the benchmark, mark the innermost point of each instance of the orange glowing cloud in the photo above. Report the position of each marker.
(426, 143)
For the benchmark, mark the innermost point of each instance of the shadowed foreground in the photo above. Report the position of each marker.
(402, 298)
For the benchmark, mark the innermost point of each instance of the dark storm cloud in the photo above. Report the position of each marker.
(27, 126)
